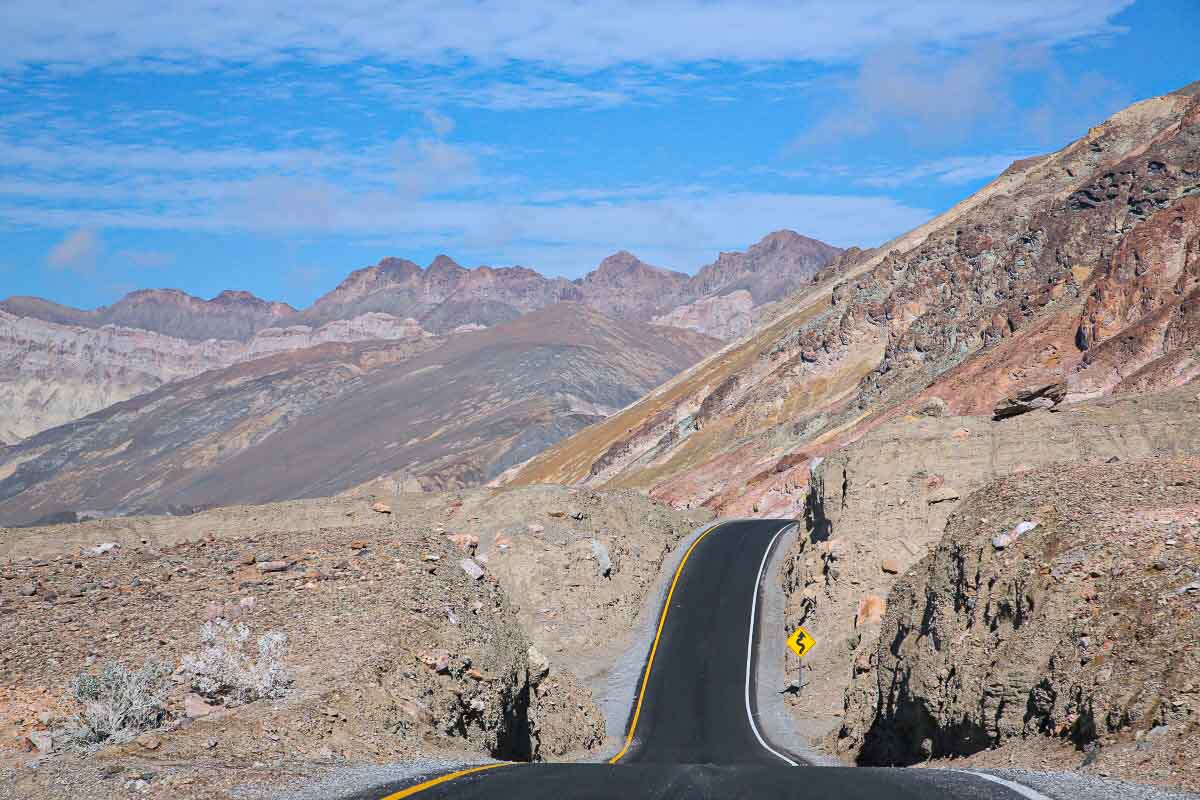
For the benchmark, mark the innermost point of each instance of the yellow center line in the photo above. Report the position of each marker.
(420, 787)
(662, 621)
(637, 711)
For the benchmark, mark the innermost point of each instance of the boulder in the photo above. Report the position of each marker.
(41, 741)
(472, 568)
(194, 707)
(870, 611)
(932, 407)
(1031, 399)
(603, 560)
(539, 666)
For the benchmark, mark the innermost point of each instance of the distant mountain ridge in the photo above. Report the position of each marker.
(446, 295)
(58, 364)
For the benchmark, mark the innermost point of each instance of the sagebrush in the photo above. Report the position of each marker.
(119, 703)
(228, 669)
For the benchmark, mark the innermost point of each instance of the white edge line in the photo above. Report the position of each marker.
(1024, 791)
(750, 647)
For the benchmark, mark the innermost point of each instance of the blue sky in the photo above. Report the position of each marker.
(275, 146)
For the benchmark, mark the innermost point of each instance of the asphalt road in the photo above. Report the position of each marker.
(693, 735)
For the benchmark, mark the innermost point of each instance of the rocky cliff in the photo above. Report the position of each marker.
(875, 508)
(1057, 619)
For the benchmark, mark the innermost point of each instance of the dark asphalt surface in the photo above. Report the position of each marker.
(694, 737)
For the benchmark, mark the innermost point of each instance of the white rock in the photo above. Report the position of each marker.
(603, 561)
(472, 569)
(1024, 528)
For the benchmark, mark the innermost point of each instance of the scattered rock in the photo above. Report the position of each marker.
(536, 529)
(539, 666)
(436, 660)
(381, 508)
(603, 561)
(465, 542)
(359, 544)
(41, 741)
(890, 565)
(870, 611)
(943, 495)
(472, 568)
(932, 407)
(27, 589)
(149, 741)
(195, 707)
(1026, 400)
(273, 566)
(101, 549)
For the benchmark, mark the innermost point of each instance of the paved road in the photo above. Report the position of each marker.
(693, 735)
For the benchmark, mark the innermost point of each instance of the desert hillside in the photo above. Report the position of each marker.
(319, 421)
(1078, 267)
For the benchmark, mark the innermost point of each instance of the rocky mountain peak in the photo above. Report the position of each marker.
(623, 265)
(444, 265)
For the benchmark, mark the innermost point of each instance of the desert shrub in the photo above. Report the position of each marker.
(227, 669)
(119, 703)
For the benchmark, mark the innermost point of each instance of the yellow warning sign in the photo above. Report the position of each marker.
(800, 642)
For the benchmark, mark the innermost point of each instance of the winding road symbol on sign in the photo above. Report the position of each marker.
(800, 642)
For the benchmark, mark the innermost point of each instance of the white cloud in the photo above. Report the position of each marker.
(950, 171)
(681, 228)
(76, 252)
(575, 36)
(938, 96)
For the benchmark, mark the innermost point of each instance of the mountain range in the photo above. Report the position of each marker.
(58, 364)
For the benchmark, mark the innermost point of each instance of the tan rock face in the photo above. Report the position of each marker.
(878, 506)
(1084, 631)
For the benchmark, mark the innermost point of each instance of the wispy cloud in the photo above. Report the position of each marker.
(952, 171)
(577, 36)
(77, 252)
(947, 97)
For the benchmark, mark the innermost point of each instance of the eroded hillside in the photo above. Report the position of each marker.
(320, 421)
(1081, 266)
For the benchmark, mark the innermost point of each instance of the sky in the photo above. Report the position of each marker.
(275, 146)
